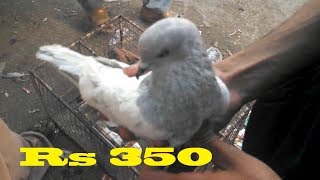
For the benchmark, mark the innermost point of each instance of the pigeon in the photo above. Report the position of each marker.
(174, 92)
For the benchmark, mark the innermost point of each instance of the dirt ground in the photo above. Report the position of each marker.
(27, 24)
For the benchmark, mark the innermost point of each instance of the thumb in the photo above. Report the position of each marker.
(131, 70)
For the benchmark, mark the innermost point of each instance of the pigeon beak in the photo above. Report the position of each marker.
(140, 71)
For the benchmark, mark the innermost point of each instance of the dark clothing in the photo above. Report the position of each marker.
(284, 126)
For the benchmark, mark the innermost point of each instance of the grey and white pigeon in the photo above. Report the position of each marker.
(170, 102)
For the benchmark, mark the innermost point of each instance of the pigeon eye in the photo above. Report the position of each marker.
(163, 53)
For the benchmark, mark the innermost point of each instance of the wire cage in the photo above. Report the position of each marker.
(64, 105)
(230, 132)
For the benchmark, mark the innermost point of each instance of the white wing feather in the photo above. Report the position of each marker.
(105, 88)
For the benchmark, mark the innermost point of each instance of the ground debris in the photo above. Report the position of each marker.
(229, 52)
(57, 9)
(33, 111)
(216, 44)
(73, 14)
(2, 66)
(235, 32)
(241, 9)
(206, 23)
(27, 90)
(19, 76)
(214, 54)
(12, 41)
(236, 42)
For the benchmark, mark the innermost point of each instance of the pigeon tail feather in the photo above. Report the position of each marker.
(64, 58)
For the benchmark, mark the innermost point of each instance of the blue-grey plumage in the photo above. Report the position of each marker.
(182, 90)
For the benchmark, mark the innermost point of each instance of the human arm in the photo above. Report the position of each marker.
(288, 49)
(232, 162)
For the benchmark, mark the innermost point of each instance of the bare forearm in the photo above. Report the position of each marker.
(288, 49)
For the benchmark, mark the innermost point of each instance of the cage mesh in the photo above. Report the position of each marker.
(62, 101)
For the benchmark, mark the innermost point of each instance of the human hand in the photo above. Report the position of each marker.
(131, 70)
(232, 162)
(123, 132)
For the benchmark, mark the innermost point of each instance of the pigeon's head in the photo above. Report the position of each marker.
(168, 40)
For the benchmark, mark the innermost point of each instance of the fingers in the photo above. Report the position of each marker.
(147, 174)
(131, 70)
(124, 133)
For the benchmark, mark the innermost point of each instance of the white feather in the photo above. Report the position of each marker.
(105, 88)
